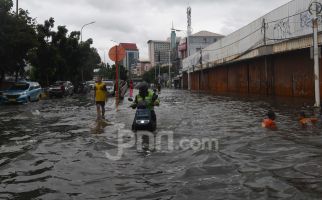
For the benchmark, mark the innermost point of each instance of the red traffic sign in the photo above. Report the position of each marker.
(116, 53)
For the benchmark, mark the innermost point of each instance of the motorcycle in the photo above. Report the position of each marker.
(145, 119)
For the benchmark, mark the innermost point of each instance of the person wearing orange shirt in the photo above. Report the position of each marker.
(305, 121)
(269, 121)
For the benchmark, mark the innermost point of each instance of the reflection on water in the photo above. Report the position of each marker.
(99, 125)
(54, 149)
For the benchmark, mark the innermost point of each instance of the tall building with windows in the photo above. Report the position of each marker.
(197, 42)
(159, 52)
(131, 56)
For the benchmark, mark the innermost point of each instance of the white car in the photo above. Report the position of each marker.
(91, 84)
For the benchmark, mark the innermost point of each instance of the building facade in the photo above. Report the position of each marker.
(274, 62)
(159, 52)
(197, 42)
(142, 67)
(131, 57)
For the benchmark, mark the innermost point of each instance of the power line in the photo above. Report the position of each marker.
(235, 41)
(287, 17)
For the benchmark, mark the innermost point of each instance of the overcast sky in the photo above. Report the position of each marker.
(138, 21)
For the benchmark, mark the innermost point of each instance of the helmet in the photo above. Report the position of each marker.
(143, 89)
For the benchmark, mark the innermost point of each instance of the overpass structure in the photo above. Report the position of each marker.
(270, 56)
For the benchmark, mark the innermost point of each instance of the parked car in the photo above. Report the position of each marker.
(109, 87)
(61, 89)
(22, 92)
(82, 88)
(91, 84)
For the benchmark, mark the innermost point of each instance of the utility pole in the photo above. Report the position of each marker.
(159, 75)
(158, 65)
(17, 7)
(265, 56)
(170, 69)
(81, 34)
(316, 54)
(200, 61)
(189, 32)
(117, 85)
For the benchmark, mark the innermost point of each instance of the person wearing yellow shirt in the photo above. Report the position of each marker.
(100, 95)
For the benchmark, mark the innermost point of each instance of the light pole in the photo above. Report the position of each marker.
(170, 83)
(82, 42)
(188, 52)
(83, 28)
(315, 9)
(17, 7)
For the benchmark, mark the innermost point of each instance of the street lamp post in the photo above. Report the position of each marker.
(188, 51)
(170, 83)
(83, 28)
(82, 42)
(17, 7)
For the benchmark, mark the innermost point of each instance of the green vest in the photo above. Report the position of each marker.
(148, 100)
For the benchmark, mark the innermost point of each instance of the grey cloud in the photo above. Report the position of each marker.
(141, 20)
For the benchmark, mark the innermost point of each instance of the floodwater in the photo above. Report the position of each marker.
(54, 149)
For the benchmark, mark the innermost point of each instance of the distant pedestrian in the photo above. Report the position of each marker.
(269, 121)
(306, 121)
(131, 89)
(159, 87)
(100, 96)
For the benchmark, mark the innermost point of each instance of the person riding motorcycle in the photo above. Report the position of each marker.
(146, 99)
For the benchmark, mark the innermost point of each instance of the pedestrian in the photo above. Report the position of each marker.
(269, 121)
(100, 96)
(306, 121)
(159, 87)
(131, 89)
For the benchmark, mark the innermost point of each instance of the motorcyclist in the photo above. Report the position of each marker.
(146, 99)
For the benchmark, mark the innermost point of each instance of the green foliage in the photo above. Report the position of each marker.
(54, 54)
(109, 72)
(149, 76)
(17, 38)
(60, 56)
(6, 5)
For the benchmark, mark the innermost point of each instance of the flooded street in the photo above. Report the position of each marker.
(54, 149)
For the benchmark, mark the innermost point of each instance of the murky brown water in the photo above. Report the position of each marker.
(54, 149)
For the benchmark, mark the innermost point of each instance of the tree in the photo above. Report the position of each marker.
(54, 55)
(61, 57)
(17, 38)
(44, 57)
(150, 75)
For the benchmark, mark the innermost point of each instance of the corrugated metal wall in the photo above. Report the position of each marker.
(185, 81)
(282, 24)
(288, 74)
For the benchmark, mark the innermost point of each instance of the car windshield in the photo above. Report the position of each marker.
(109, 83)
(20, 86)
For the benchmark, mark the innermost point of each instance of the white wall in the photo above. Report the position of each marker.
(288, 21)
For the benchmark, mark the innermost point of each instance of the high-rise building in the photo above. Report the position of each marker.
(131, 56)
(159, 52)
(197, 42)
